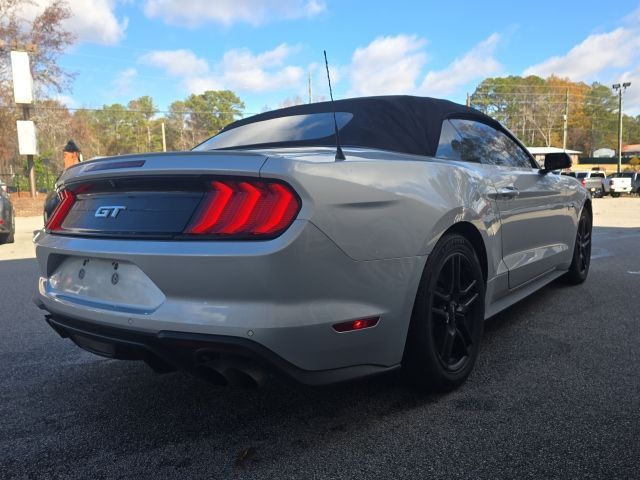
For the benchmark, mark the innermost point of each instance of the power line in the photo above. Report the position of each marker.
(127, 110)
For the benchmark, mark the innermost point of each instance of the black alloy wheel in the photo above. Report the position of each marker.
(452, 304)
(448, 317)
(579, 269)
(583, 244)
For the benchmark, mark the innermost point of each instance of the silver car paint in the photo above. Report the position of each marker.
(357, 249)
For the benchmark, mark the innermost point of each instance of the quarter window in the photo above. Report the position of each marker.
(447, 145)
(477, 142)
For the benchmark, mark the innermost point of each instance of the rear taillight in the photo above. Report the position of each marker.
(245, 208)
(67, 199)
(583, 182)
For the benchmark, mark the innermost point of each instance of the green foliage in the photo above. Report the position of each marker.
(534, 108)
(118, 129)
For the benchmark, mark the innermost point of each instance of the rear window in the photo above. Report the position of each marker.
(622, 175)
(279, 131)
(597, 175)
(581, 175)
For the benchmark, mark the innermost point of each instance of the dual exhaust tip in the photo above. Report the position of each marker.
(237, 372)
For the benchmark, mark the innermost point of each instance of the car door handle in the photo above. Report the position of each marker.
(507, 193)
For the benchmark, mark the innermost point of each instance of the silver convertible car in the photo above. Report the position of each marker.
(265, 251)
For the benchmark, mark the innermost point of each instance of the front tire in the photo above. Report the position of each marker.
(579, 269)
(448, 318)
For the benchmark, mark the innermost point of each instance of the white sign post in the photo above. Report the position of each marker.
(22, 80)
(23, 94)
(27, 144)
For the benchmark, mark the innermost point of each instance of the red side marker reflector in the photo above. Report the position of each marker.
(356, 324)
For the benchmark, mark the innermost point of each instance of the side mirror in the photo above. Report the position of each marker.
(556, 161)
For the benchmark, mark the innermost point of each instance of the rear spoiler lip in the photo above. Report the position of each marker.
(173, 163)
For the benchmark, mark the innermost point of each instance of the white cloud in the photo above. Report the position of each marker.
(227, 12)
(65, 100)
(91, 20)
(615, 49)
(631, 94)
(394, 65)
(123, 81)
(387, 65)
(245, 71)
(476, 63)
(176, 62)
(239, 69)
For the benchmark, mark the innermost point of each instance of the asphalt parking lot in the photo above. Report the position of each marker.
(555, 394)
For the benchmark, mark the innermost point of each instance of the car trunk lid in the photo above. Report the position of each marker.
(186, 194)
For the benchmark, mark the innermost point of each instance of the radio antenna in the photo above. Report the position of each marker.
(339, 152)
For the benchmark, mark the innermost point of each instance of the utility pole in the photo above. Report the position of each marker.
(164, 139)
(309, 84)
(566, 120)
(620, 90)
(468, 100)
(32, 173)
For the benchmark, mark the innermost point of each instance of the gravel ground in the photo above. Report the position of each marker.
(555, 394)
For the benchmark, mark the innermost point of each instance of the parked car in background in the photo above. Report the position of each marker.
(266, 249)
(592, 180)
(7, 218)
(617, 184)
(620, 182)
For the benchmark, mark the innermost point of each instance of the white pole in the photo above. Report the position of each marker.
(164, 139)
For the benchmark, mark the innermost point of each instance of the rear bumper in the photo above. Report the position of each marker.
(196, 353)
(283, 295)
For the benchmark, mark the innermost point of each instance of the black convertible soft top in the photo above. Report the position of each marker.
(399, 123)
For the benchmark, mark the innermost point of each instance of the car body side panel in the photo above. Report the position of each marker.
(395, 208)
(536, 228)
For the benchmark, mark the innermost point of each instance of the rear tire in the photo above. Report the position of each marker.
(615, 195)
(579, 269)
(447, 319)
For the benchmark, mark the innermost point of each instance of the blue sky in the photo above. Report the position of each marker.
(263, 50)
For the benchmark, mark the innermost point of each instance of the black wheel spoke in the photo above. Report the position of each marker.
(464, 307)
(464, 331)
(465, 340)
(442, 296)
(457, 267)
(447, 344)
(440, 312)
(465, 291)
